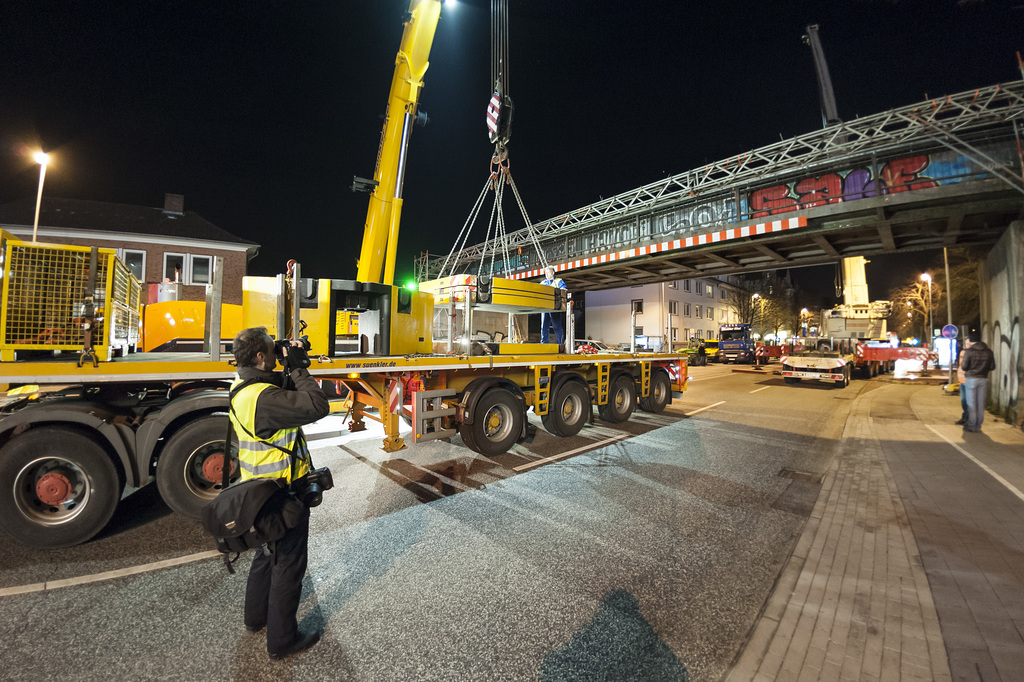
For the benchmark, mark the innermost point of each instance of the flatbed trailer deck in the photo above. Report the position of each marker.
(72, 437)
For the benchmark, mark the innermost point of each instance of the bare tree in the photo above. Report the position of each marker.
(911, 301)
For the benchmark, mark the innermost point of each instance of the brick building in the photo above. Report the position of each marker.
(158, 245)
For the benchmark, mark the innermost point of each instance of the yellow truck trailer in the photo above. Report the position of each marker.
(88, 414)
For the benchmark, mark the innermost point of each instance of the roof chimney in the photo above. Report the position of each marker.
(174, 204)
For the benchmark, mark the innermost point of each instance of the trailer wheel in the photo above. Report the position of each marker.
(497, 423)
(189, 472)
(661, 394)
(621, 400)
(568, 411)
(60, 487)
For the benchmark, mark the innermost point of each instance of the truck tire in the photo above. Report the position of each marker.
(661, 394)
(497, 423)
(59, 487)
(188, 474)
(569, 410)
(621, 400)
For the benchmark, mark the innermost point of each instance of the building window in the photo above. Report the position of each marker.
(711, 333)
(136, 262)
(697, 311)
(686, 285)
(675, 334)
(673, 307)
(697, 333)
(723, 293)
(711, 313)
(711, 292)
(638, 306)
(638, 331)
(723, 315)
(187, 268)
(174, 267)
(673, 285)
(200, 269)
(686, 309)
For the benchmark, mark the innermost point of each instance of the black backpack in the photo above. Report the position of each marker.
(246, 516)
(250, 514)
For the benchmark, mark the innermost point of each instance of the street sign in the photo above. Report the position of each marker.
(949, 331)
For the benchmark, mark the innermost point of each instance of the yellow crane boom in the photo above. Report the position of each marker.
(380, 234)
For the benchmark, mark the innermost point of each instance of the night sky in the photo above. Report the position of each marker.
(260, 112)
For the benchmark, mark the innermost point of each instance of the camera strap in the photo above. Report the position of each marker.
(292, 456)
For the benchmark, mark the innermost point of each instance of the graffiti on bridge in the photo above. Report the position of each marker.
(898, 175)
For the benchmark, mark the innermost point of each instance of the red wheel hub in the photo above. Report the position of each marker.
(213, 468)
(53, 489)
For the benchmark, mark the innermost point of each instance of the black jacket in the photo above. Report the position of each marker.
(277, 408)
(978, 361)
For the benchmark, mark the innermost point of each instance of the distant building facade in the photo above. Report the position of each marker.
(668, 315)
(165, 245)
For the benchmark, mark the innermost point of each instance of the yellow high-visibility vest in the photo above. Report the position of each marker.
(259, 457)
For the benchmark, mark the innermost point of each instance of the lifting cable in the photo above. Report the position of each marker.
(499, 119)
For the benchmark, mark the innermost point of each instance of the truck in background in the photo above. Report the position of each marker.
(735, 343)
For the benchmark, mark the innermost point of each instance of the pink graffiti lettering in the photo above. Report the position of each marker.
(771, 200)
(900, 175)
(828, 189)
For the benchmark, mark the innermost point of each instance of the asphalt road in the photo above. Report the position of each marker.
(639, 551)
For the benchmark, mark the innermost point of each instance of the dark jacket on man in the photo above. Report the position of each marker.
(978, 361)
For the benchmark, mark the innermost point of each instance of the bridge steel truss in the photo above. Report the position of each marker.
(970, 123)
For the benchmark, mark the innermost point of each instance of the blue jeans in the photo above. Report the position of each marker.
(974, 389)
(557, 320)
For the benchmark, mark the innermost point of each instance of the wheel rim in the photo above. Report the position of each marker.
(658, 394)
(204, 470)
(572, 410)
(621, 400)
(51, 490)
(498, 423)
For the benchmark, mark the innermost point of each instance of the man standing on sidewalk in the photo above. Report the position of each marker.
(977, 363)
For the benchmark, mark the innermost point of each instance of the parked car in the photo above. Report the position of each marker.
(597, 346)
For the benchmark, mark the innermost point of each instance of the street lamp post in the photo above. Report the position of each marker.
(925, 277)
(42, 159)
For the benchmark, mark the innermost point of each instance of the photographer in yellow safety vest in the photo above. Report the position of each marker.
(267, 418)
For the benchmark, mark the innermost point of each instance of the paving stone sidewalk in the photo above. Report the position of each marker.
(911, 565)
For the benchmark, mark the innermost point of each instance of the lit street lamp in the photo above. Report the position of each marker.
(42, 159)
(752, 298)
(803, 322)
(925, 277)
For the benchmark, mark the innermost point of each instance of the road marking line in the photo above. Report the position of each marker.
(108, 575)
(690, 414)
(760, 389)
(1009, 486)
(592, 446)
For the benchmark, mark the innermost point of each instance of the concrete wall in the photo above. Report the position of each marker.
(1002, 307)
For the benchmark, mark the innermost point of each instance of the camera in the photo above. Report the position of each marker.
(297, 357)
(310, 488)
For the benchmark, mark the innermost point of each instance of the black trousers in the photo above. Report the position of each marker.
(275, 586)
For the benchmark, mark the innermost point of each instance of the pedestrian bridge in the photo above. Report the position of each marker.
(940, 173)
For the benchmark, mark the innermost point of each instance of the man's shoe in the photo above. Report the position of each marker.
(253, 628)
(304, 641)
(960, 422)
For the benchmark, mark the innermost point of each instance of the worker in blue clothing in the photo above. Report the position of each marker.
(557, 318)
